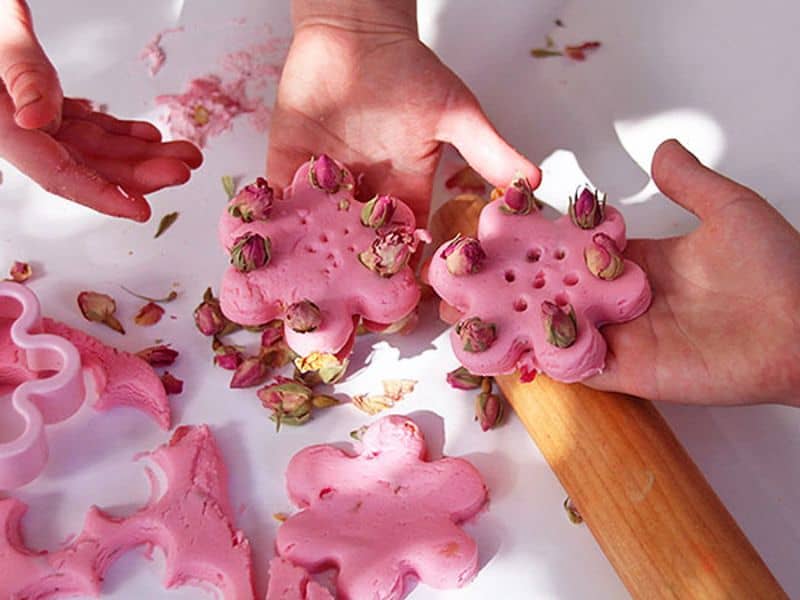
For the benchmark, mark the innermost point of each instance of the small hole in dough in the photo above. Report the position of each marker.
(533, 255)
(570, 279)
(562, 299)
(520, 305)
(559, 254)
(510, 277)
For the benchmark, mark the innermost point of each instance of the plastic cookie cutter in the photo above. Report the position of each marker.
(28, 404)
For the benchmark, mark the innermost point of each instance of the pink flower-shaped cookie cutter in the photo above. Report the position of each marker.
(52, 397)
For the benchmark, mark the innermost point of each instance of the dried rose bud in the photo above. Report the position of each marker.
(272, 334)
(99, 308)
(172, 385)
(253, 202)
(560, 326)
(303, 316)
(251, 371)
(227, 357)
(463, 255)
(378, 211)
(389, 252)
(208, 315)
(518, 198)
(158, 356)
(20, 271)
(324, 174)
(587, 209)
(476, 335)
(290, 402)
(149, 314)
(489, 410)
(250, 252)
(603, 258)
(462, 379)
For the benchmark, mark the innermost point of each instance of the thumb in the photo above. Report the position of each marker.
(468, 129)
(27, 73)
(688, 182)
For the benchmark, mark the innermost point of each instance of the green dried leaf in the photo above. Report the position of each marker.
(544, 53)
(229, 185)
(166, 222)
(168, 298)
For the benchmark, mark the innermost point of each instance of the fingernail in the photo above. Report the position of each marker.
(26, 97)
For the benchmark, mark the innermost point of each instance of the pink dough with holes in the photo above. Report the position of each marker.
(191, 522)
(531, 259)
(382, 514)
(316, 238)
(290, 582)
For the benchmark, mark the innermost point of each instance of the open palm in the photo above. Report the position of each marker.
(724, 325)
(383, 104)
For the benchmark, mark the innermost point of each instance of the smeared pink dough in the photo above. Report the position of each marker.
(191, 522)
(510, 287)
(121, 378)
(316, 238)
(382, 514)
(290, 582)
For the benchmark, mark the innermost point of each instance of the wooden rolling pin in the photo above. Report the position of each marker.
(655, 516)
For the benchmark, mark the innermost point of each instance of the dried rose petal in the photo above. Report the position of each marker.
(466, 179)
(149, 314)
(578, 51)
(329, 368)
(99, 308)
(166, 222)
(172, 385)
(158, 356)
(20, 271)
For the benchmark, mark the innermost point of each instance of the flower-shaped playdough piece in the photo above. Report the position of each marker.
(191, 522)
(523, 287)
(290, 582)
(382, 514)
(316, 261)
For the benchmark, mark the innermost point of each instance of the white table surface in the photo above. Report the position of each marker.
(722, 77)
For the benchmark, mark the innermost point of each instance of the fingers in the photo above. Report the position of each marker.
(92, 139)
(143, 177)
(468, 129)
(81, 109)
(689, 183)
(26, 71)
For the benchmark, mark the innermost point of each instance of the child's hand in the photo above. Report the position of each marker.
(724, 327)
(366, 91)
(69, 149)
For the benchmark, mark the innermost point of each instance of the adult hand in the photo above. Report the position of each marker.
(724, 325)
(360, 86)
(69, 149)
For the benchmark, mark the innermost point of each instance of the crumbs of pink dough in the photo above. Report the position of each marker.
(191, 522)
(153, 54)
(382, 514)
(210, 103)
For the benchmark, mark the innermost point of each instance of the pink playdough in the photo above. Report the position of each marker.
(290, 582)
(529, 260)
(191, 522)
(316, 238)
(382, 514)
